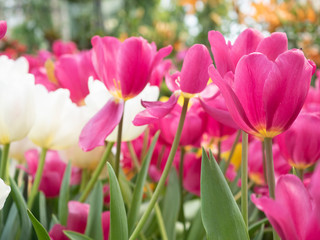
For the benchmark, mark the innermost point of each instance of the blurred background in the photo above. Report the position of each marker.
(36, 24)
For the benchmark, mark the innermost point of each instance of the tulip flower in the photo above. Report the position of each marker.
(125, 69)
(300, 145)
(59, 48)
(3, 28)
(77, 221)
(294, 211)
(4, 192)
(73, 72)
(58, 121)
(53, 172)
(192, 80)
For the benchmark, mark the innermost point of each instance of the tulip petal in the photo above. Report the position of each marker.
(250, 76)
(232, 102)
(221, 53)
(286, 89)
(105, 50)
(194, 77)
(273, 45)
(172, 81)
(155, 110)
(162, 53)
(101, 125)
(247, 42)
(3, 28)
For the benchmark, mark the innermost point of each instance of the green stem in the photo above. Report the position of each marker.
(264, 162)
(145, 143)
(300, 173)
(37, 179)
(4, 162)
(244, 178)
(117, 167)
(133, 156)
(219, 150)
(165, 173)
(96, 173)
(84, 179)
(233, 148)
(270, 174)
(181, 190)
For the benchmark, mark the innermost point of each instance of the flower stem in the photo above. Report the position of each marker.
(233, 148)
(4, 162)
(244, 178)
(37, 179)
(270, 175)
(165, 173)
(96, 173)
(183, 151)
(117, 166)
(264, 162)
(300, 173)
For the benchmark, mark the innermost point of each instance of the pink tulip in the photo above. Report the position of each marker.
(255, 162)
(192, 79)
(60, 48)
(160, 71)
(3, 28)
(300, 145)
(53, 172)
(294, 213)
(73, 72)
(77, 221)
(125, 68)
(266, 96)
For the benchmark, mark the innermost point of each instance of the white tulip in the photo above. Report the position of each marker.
(17, 108)
(98, 97)
(4, 192)
(58, 120)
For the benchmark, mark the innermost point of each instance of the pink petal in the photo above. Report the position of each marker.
(273, 45)
(104, 59)
(246, 43)
(78, 216)
(101, 125)
(155, 110)
(56, 233)
(3, 28)
(221, 53)
(251, 73)
(172, 81)
(135, 59)
(194, 77)
(315, 185)
(286, 89)
(162, 53)
(232, 102)
(105, 219)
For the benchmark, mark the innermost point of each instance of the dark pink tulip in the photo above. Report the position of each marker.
(266, 95)
(77, 221)
(3, 28)
(73, 72)
(255, 162)
(300, 145)
(52, 173)
(159, 72)
(192, 79)
(295, 211)
(60, 48)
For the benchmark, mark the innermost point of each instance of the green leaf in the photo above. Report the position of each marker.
(138, 190)
(171, 205)
(118, 217)
(40, 230)
(94, 225)
(196, 230)
(64, 196)
(259, 236)
(43, 210)
(76, 236)
(255, 226)
(221, 216)
(12, 225)
(21, 206)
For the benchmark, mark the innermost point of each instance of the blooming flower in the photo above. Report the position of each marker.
(294, 211)
(266, 96)
(4, 192)
(59, 48)
(125, 69)
(192, 79)
(300, 145)
(17, 105)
